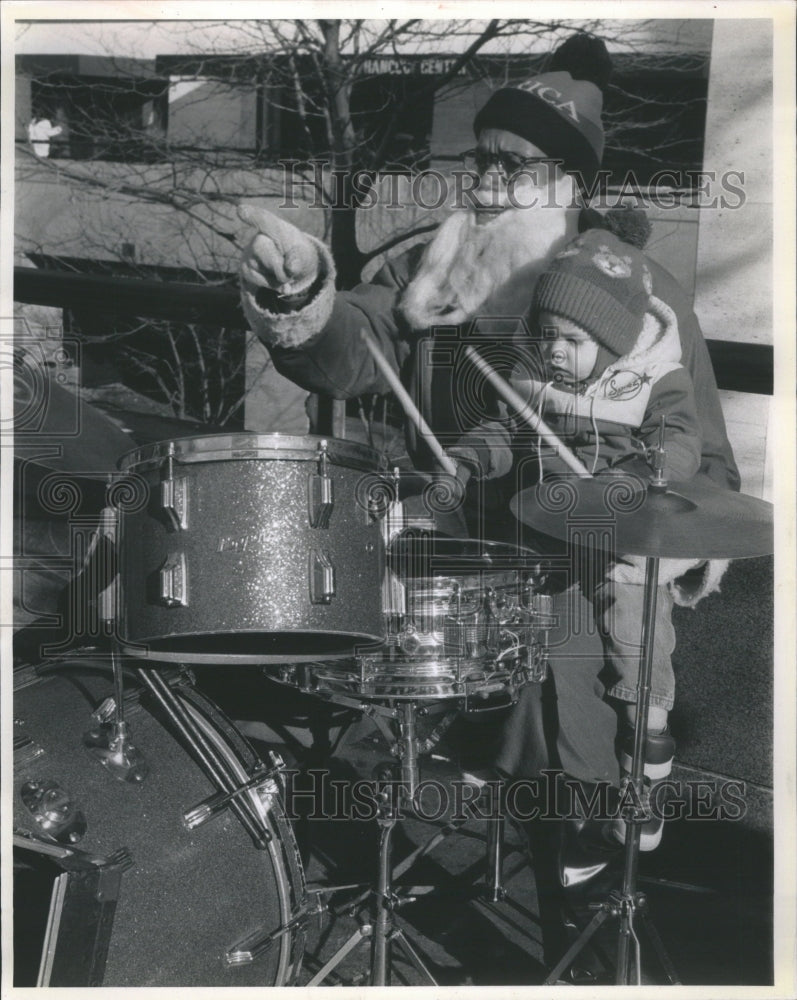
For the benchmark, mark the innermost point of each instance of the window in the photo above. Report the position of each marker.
(104, 118)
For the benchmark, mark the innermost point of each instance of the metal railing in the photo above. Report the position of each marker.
(738, 366)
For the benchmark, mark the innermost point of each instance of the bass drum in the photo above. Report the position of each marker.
(187, 898)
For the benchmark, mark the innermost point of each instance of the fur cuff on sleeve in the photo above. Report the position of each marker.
(698, 582)
(292, 329)
(688, 580)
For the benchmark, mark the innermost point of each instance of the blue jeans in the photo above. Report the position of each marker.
(619, 609)
(567, 723)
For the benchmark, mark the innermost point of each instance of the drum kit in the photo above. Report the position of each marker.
(293, 554)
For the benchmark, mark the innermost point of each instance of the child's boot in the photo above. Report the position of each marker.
(659, 752)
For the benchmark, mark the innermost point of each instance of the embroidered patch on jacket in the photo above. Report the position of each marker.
(623, 384)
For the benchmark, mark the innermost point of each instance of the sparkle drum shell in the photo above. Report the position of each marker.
(187, 896)
(252, 548)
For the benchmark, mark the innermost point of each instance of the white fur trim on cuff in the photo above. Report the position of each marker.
(295, 328)
(687, 591)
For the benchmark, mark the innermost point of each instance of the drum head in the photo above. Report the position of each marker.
(187, 896)
(424, 554)
(244, 446)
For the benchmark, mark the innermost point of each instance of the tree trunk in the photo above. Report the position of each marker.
(349, 260)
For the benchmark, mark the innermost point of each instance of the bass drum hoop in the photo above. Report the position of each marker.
(279, 832)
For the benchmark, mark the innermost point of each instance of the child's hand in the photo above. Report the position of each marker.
(467, 460)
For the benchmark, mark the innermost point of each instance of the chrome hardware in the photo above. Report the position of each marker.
(54, 811)
(174, 494)
(322, 578)
(174, 581)
(262, 783)
(26, 751)
(110, 741)
(253, 946)
(320, 493)
(105, 711)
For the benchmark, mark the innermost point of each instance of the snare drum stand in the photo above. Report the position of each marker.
(383, 931)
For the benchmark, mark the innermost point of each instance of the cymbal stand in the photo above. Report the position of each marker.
(627, 903)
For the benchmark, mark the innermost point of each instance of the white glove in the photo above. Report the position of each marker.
(280, 256)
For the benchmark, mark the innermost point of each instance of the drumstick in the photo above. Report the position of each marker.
(525, 412)
(405, 399)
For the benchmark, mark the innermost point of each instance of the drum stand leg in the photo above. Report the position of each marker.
(110, 742)
(383, 933)
(624, 904)
(494, 887)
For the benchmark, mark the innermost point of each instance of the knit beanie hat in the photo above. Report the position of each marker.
(603, 285)
(558, 111)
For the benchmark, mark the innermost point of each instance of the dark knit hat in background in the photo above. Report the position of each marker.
(603, 285)
(558, 111)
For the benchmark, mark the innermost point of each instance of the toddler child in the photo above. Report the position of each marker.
(611, 369)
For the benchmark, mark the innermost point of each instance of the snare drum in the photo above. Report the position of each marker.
(473, 627)
(252, 548)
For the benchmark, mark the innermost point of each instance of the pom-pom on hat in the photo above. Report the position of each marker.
(600, 283)
(558, 111)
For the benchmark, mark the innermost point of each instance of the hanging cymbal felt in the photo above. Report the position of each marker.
(693, 519)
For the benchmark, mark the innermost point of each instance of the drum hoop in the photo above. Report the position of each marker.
(231, 745)
(269, 816)
(459, 555)
(242, 446)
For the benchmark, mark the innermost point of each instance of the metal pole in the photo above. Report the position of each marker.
(633, 830)
(381, 940)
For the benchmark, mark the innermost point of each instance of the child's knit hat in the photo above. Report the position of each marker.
(600, 283)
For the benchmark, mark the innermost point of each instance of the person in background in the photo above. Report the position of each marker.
(40, 131)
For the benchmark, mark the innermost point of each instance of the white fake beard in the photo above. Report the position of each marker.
(489, 269)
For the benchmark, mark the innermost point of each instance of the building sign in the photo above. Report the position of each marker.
(407, 66)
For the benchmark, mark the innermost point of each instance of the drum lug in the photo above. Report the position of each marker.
(173, 578)
(54, 811)
(322, 578)
(320, 494)
(252, 947)
(174, 495)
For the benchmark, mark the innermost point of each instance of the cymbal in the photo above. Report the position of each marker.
(56, 429)
(693, 519)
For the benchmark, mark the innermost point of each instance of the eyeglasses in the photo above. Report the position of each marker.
(479, 161)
